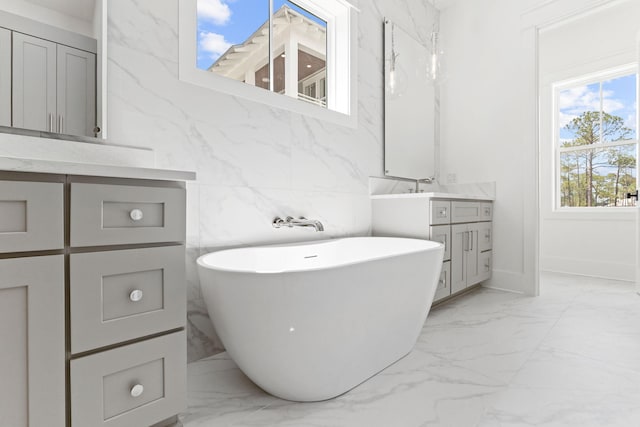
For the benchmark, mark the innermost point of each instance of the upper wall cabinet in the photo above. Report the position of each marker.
(54, 87)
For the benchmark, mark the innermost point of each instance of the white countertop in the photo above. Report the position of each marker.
(432, 195)
(11, 164)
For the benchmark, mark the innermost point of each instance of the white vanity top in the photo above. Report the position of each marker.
(432, 195)
(12, 164)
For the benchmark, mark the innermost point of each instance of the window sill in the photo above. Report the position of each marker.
(592, 214)
(211, 81)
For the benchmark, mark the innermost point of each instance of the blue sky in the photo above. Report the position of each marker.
(619, 99)
(223, 23)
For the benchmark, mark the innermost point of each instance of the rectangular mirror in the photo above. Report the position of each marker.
(409, 107)
(51, 75)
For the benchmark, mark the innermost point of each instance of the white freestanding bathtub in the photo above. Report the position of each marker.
(310, 321)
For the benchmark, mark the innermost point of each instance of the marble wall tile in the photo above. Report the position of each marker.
(253, 161)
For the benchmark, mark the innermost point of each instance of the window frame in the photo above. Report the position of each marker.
(584, 80)
(341, 63)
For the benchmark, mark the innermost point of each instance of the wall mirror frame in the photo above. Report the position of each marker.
(409, 107)
(53, 76)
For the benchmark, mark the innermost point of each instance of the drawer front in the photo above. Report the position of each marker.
(485, 236)
(442, 234)
(31, 216)
(486, 211)
(136, 385)
(485, 261)
(440, 212)
(465, 212)
(122, 295)
(120, 214)
(444, 283)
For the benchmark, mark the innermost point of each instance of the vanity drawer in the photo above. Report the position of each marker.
(485, 236)
(31, 216)
(442, 234)
(485, 260)
(116, 296)
(486, 211)
(121, 214)
(136, 385)
(465, 212)
(444, 283)
(440, 212)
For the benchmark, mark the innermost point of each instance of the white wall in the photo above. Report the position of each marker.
(484, 101)
(253, 161)
(602, 243)
(49, 16)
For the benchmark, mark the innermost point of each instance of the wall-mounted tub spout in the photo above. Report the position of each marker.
(299, 222)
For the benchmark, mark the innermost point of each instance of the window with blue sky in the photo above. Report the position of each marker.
(233, 40)
(597, 141)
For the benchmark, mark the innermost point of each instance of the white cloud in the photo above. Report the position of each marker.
(577, 100)
(213, 44)
(215, 10)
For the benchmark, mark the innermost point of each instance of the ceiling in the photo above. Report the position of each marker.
(81, 9)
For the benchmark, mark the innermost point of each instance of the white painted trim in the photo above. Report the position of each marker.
(591, 268)
(509, 281)
(189, 73)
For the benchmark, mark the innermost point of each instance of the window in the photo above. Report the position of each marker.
(596, 140)
(264, 49)
(240, 48)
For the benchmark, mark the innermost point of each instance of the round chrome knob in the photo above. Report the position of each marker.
(136, 214)
(135, 295)
(137, 390)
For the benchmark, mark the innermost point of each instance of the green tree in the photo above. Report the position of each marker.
(591, 128)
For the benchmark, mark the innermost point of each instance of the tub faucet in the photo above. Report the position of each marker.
(299, 222)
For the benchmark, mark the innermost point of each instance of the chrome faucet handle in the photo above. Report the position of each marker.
(278, 222)
(289, 219)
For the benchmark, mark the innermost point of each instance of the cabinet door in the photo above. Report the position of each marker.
(459, 248)
(485, 236)
(473, 255)
(485, 266)
(34, 83)
(32, 355)
(442, 234)
(5, 77)
(76, 102)
(444, 283)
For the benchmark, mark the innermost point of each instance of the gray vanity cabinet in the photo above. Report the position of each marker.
(5, 77)
(32, 349)
(471, 244)
(54, 87)
(463, 226)
(92, 301)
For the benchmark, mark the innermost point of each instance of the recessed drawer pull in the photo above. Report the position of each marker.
(136, 295)
(137, 390)
(136, 214)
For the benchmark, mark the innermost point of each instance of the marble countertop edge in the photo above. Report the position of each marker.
(433, 195)
(11, 164)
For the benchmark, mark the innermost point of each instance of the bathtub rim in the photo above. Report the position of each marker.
(432, 245)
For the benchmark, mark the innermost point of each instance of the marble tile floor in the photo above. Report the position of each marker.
(570, 357)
